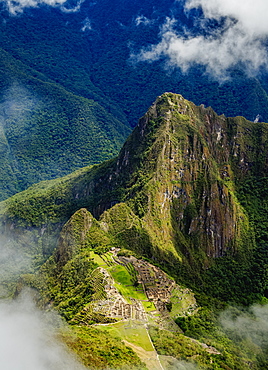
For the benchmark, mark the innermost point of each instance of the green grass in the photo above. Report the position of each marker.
(130, 292)
(108, 257)
(98, 349)
(121, 275)
(97, 259)
(130, 331)
(148, 306)
(123, 282)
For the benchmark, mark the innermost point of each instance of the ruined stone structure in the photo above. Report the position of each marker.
(115, 306)
(155, 282)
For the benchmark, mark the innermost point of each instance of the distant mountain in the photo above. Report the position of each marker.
(161, 233)
(77, 91)
(88, 52)
(46, 131)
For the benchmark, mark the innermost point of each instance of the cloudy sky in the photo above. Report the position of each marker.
(240, 38)
(17, 7)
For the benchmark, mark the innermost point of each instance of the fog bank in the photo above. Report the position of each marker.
(28, 338)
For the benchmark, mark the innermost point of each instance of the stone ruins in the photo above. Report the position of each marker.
(155, 283)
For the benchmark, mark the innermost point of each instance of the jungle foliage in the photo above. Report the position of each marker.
(47, 131)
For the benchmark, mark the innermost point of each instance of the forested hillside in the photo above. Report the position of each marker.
(91, 52)
(47, 131)
(190, 178)
(178, 234)
(150, 245)
(72, 83)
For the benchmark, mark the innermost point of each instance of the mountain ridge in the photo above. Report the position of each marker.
(46, 131)
(178, 175)
(177, 231)
(63, 48)
(109, 73)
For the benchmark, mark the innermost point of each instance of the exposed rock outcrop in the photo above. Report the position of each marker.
(177, 175)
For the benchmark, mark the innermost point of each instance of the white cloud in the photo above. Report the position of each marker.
(251, 326)
(141, 19)
(27, 339)
(86, 25)
(240, 39)
(74, 9)
(16, 7)
(250, 14)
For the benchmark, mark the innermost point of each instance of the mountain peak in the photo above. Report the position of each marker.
(178, 174)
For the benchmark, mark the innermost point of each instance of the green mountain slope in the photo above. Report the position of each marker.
(187, 195)
(80, 55)
(92, 280)
(46, 131)
(182, 174)
(88, 53)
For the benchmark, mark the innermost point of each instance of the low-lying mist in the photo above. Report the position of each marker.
(12, 264)
(28, 338)
(17, 257)
(249, 327)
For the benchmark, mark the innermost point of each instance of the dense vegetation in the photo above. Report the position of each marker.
(170, 232)
(66, 102)
(99, 350)
(188, 191)
(46, 131)
(66, 48)
(71, 280)
(180, 194)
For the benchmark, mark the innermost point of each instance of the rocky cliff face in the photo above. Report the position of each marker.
(176, 194)
(179, 175)
(176, 173)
